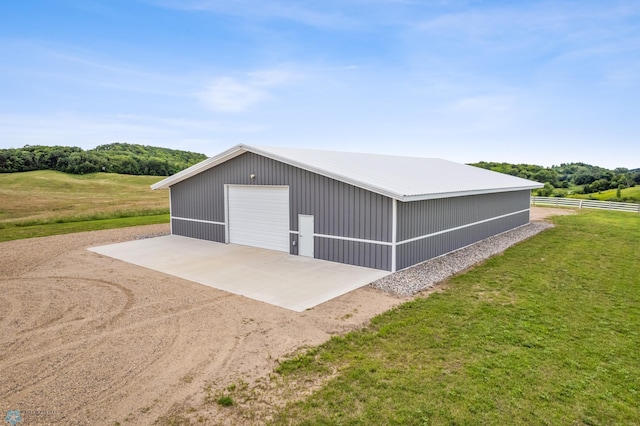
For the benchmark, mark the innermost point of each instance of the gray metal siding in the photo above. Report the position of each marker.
(420, 218)
(203, 231)
(354, 253)
(418, 251)
(339, 209)
(425, 217)
(197, 198)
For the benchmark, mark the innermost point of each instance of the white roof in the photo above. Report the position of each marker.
(402, 178)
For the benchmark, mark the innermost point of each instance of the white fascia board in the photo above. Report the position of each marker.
(199, 168)
(466, 193)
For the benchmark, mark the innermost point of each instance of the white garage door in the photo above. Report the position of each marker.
(259, 216)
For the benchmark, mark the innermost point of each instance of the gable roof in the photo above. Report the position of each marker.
(402, 178)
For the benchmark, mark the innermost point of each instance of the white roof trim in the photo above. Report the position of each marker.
(199, 168)
(402, 188)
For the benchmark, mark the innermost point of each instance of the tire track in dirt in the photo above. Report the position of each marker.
(177, 388)
(129, 328)
(204, 372)
(132, 385)
(62, 312)
(69, 355)
(133, 392)
(128, 293)
(7, 312)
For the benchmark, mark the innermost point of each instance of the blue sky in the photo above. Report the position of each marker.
(519, 81)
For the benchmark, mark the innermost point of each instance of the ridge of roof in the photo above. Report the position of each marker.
(401, 177)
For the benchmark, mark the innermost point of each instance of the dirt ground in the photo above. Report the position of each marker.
(86, 339)
(541, 213)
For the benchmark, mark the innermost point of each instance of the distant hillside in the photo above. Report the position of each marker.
(121, 158)
(574, 179)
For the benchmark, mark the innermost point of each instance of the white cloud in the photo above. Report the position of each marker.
(229, 95)
(573, 23)
(86, 131)
(627, 76)
(237, 94)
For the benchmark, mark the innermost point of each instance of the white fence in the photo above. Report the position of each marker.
(585, 204)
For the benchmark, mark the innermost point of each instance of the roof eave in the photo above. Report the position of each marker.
(385, 192)
(421, 197)
(240, 149)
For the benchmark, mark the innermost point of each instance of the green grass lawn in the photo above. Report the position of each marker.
(47, 202)
(548, 333)
(45, 230)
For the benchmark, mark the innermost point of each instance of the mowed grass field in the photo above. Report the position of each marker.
(547, 333)
(47, 202)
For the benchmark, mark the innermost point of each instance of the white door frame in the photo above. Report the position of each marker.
(305, 235)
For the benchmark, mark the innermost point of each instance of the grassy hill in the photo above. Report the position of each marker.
(626, 194)
(49, 198)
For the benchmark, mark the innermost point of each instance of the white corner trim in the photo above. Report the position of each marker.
(227, 237)
(394, 233)
(170, 213)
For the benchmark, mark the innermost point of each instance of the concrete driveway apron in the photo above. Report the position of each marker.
(292, 282)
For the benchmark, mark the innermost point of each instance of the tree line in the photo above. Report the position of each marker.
(134, 159)
(568, 179)
(124, 158)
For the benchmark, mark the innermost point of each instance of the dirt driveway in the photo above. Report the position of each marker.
(86, 339)
(541, 213)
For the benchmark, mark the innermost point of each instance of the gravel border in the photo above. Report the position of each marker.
(154, 235)
(427, 274)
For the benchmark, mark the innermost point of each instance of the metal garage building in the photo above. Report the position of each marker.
(378, 211)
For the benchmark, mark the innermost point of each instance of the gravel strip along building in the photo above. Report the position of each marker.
(428, 274)
(378, 211)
